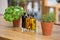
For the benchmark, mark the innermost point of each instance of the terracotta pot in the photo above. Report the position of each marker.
(47, 28)
(16, 23)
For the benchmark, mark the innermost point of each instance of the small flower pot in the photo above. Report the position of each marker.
(16, 23)
(47, 28)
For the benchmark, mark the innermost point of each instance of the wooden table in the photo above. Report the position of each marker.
(7, 33)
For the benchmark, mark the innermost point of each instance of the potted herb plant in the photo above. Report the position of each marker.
(13, 14)
(47, 23)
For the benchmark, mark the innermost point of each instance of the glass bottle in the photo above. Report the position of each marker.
(28, 22)
(33, 23)
(24, 20)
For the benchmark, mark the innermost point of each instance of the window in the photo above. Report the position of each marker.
(52, 2)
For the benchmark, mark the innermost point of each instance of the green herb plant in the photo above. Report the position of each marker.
(48, 18)
(13, 13)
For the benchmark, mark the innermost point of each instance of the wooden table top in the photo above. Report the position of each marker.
(7, 31)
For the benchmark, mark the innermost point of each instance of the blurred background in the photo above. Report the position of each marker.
(36, 10)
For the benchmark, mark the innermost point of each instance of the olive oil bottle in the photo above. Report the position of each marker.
(28, 22)
(33, 23)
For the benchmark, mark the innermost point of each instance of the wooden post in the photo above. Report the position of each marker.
(56, 13)
(45, 9)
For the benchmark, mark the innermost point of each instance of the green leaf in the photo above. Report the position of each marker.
(11, 19)
(17, 17)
